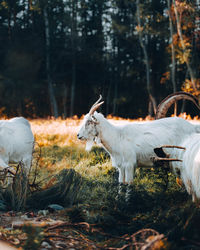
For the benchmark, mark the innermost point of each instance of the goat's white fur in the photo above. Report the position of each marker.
(190, 165)
(132, 144)
(16, 142)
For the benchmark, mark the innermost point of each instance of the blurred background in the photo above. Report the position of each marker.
(57, 56)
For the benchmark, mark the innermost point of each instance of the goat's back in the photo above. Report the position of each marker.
(16, 139)
(170, 130)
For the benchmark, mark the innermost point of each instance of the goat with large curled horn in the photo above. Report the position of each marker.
(133, 144)
(186, 161)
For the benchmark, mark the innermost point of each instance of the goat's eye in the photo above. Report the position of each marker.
(88, 123)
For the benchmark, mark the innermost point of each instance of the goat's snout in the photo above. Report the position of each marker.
(79, 136)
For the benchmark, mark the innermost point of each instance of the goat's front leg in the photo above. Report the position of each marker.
(129, 176)
(121, 175)
(121, 179)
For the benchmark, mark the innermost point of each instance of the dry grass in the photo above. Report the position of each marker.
(63, 132)
(61, 149)
(55, 131)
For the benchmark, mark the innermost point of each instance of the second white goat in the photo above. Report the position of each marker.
(189, 168)
(16, 142)
(132, 144)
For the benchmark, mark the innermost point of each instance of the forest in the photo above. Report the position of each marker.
(56, 57)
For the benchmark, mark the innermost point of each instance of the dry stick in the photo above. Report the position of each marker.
(59, 236)
(69, 238)
(88, 227)
(68, 224)
(37, 162)
(121, 238)
(138, 245)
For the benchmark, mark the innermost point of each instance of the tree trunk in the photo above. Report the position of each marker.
(108, 96)
(53, 103)
(115, 97)
(65, 91)
(179, 30)
(73, 44)
(173, 60)
(173, 68)
(115, 69)
(197, 23)
(146, 58)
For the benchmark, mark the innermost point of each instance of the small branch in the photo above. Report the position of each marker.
(62, 224)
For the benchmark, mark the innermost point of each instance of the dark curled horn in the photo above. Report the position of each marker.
(171, 99)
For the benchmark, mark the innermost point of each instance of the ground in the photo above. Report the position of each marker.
(73, 201)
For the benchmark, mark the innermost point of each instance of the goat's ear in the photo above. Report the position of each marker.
(94, 119)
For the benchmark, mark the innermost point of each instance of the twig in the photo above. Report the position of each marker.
(71, 238)
(36, 168)
(68, 225)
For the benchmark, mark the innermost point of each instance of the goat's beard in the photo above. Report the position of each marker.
(89, 145)
(91, 142)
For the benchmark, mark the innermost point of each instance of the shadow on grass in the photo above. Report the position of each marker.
(98, 202)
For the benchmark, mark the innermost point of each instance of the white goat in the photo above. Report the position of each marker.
(16, 143)
(189, 164)
(132, 144)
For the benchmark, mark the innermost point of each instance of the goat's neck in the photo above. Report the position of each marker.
(107, 134)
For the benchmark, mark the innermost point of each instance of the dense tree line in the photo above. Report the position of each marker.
(57, 56)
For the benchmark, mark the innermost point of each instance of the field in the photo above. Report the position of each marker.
(94, 215)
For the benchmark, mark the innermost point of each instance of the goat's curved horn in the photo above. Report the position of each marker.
(100, 97)
(96, 105)
(171, 99)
